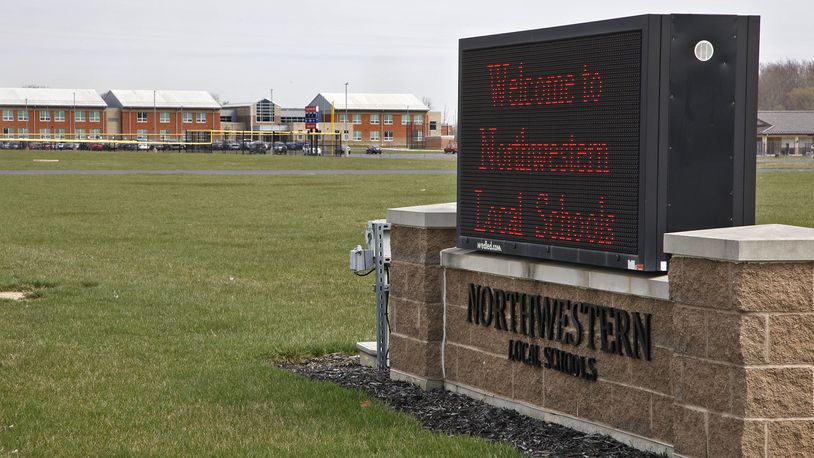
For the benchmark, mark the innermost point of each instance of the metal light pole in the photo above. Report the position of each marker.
(155, 127)
(27, 122)
(346, 110)
(271, 102)
(72, 119)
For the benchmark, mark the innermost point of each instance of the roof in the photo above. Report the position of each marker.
(293, 112)
(391, 102)
(50, 97)
(786, 122)
(148, 98)
(246, 104)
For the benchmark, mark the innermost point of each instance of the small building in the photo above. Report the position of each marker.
(382, 119)
(33, 114)
(258, 120)
(785, 133)
(159, 115)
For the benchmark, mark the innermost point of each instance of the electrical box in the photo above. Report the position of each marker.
(361, 260)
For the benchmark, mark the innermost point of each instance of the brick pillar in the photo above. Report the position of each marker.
(417, 236)
(743, 365)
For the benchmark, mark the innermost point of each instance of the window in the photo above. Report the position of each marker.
(22, 115)
(357, 118)
(96, 133)
(7, 132)
(343, 118)
(418, 119)
(45, 115)
(374, 135)
(8, 115)
(388, 135)
(265, 111)
(164, 135)
(186, 117)
(200, 117)
(164, 117)
(141, 135)
(59, 134)
(94, 116)
(388, 119)
(419, 135)
(357, 135)
(374, 118)
(22, 132)
(79, 134)
(141, 116)
(79, 116)
(405, 119)
(59, 116)
(44, 133)
(433, 125)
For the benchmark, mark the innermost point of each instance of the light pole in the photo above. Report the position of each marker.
(346, 111)
(27, 121)
(155, 127)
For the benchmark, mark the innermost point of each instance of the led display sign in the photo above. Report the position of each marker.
(587, 143)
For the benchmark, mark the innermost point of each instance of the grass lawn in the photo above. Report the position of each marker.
(74, 160)
(164, 302)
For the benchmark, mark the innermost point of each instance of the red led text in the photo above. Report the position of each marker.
(552, 218)
(522, 156)
(511, 86)
(559, 222)
(496, 219)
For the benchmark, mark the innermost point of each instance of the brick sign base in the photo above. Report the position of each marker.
(716, 359)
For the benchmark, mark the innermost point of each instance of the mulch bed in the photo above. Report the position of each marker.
(455, 414)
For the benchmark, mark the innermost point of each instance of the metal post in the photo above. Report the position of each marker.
(155, 126)
(378, 234)
(346, 112)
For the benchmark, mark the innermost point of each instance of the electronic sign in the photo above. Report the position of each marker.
(587, 143)
(311, 117)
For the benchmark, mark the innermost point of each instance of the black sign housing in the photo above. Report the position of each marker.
(586, 143)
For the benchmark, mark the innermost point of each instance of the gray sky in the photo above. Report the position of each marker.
(239, 49)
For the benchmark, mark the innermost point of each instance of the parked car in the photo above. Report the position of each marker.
(452, 148)
(280, 148)
(232, 145)
(217, 145)
(97, 147)
(295, 145)
(257, 147)
(5, 145)
(342, 150)
(373, 149)
(143, 147)
(15, 145)
(309, 150)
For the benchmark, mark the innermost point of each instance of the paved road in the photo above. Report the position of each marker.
(228, 172)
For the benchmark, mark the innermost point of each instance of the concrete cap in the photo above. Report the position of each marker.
(438, 216)
(616, 281)
(765, 242)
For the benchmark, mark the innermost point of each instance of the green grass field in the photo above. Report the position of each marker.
(132, 160)
(163, 303)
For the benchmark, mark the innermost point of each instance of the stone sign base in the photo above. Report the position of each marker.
(716, 359)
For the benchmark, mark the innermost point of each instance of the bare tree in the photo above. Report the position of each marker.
(427, 101)
(35, 86)
(786, 85)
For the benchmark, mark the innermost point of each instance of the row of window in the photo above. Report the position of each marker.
(59, 115)
(388, 135)
(388, 118)
(58, 133)
(164, 117)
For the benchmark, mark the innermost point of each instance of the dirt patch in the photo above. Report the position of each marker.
(12, 295)
(454, 414)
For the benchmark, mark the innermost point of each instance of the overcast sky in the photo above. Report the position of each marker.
(239, 49)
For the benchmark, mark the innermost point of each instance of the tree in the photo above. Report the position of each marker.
(800, 98)
(427, 101)
(35, 86)
(786, 85)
